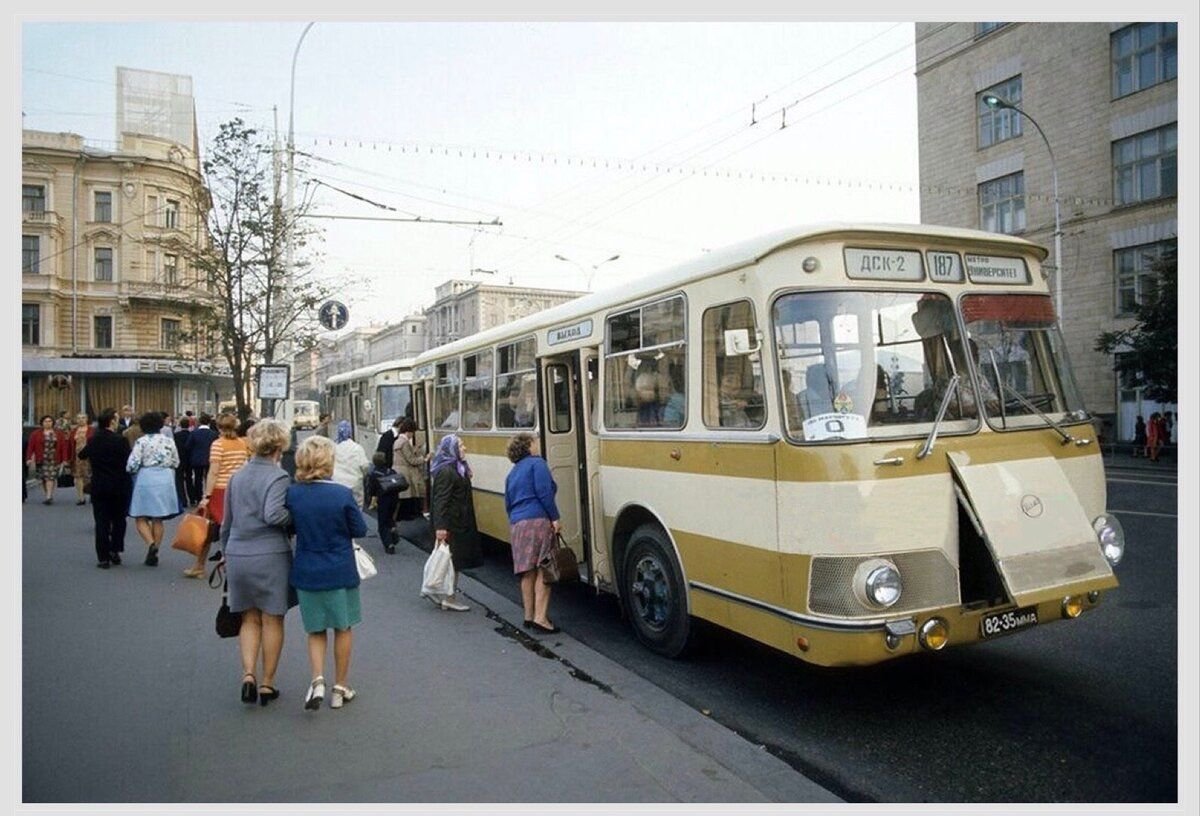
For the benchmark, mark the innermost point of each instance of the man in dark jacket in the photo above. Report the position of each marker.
(387, 441)
(198, 444)
(183, 473)
(108, 451)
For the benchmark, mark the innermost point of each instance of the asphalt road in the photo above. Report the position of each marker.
(1080, 711)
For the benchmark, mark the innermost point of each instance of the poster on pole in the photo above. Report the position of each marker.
(273, 381)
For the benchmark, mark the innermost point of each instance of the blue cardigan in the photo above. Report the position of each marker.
(326, 518)
(529, 491)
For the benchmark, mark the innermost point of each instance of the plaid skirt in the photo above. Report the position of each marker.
(532, 540)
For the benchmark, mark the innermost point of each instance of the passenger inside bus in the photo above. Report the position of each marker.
(817, 396)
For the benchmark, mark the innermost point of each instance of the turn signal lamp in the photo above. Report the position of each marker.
(934, 634)
(1072, 606)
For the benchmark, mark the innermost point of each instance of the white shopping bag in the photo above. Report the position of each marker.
(438, 580)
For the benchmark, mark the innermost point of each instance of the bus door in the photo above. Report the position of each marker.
(561, 445)
(595, 534)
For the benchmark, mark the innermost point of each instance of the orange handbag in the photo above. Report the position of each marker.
(193, 533)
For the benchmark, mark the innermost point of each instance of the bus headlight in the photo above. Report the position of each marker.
(877, 583)
(1111, 536)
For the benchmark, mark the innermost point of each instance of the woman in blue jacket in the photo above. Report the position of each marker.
(326, 518)
(533, 518)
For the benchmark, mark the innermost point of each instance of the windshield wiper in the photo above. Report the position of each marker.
(951, 390)
(1005, 387)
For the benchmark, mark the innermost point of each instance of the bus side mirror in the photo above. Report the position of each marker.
(737, 343)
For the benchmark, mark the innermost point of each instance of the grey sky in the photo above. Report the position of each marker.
(388, 107)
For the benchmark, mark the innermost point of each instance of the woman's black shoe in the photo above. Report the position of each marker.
(103, 565)
(544, 630)
(266, 694)
(249, 689)
(115, 558)
(527, 624)
(151, 557)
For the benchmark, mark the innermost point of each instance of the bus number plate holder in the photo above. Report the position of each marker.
(1004, 623)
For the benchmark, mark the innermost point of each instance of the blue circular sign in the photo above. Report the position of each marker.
(333, 315)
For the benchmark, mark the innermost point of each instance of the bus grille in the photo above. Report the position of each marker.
(930, 581)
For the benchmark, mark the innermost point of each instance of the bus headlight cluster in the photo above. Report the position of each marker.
(1111, 536)
(877, 583)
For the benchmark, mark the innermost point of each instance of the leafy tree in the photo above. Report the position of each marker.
(1147, 352)
(263, 306)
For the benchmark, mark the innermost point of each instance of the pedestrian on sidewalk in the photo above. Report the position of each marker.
(533, 524)
(226, 454)
(350, 462)
(107, 453)
(258, 557)
(81, 434)
(47, 451)
(153, 462)
(452, 512)
(196, 449)
(386, 500)
(327, 518)
(1154, 429)
(1139, 437)
(410, 461)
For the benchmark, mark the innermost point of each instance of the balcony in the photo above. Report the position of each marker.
(187, 293)
(47, 218)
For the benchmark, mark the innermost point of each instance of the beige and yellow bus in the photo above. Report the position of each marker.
(371, 398)
(848, 442)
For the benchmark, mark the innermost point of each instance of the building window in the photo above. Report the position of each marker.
(1002, 204)
(171, 214)
(1136, 278)
(171, 331)
(983, 29)
(1000, 124)
(103, 269)
(1144, 166)
(103, 206)
(33, 198)
(1143, 54)
(644, 367)
(170, 269)
(103, 325)
(31, 324)
(31, 254)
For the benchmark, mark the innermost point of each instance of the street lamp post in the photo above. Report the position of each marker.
(290, 224)
(994, 102)
(581, 268)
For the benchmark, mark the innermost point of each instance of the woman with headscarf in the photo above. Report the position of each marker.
(452, 511)
(350, 462)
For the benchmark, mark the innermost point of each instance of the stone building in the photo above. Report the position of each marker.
(1105, 96)
(464, 307)
(399, 340)
(108, 296)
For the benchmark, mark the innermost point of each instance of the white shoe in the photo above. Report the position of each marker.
(316, 693)
(455, 606)
(341, 695)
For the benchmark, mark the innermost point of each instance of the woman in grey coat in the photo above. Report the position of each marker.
(258, 557)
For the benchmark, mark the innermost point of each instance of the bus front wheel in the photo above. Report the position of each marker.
(654, 593)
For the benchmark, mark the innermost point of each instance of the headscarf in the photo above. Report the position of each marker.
(448, 454)
(343, 430)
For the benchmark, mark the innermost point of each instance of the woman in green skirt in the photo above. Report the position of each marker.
(326, 518)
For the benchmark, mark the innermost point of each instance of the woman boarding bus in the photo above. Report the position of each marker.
(847, 442)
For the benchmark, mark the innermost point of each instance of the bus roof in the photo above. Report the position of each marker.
(367, 371)
(712, 263)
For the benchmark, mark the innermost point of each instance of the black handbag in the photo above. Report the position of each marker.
(561, 564)
(228, 623)
(65, 479)
(392, 483)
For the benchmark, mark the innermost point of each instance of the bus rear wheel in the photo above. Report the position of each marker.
(654, 593)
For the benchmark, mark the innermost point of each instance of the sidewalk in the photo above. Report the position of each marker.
(129, 696)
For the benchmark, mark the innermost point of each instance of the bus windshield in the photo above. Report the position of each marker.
(1022, 361)
(394, 401)
(870, 365)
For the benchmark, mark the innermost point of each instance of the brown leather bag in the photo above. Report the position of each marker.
(194, 531)
(561, 564)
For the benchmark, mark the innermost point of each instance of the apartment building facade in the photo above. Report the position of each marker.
(464, 307)
(110, 304)
(1105, 98)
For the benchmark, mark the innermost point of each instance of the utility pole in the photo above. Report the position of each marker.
(289, 221)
